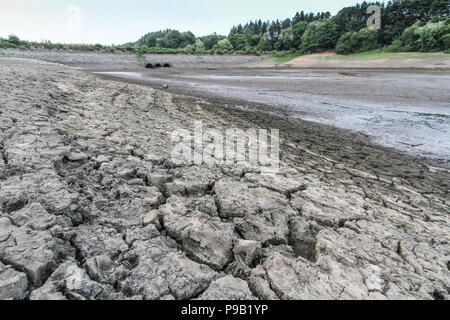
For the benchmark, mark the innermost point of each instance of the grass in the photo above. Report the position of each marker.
(282, 57)
(379, 54)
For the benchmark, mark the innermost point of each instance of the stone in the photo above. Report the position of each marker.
(13, 284)
(34, 252)
(206, 241)
(69, 282)
(162, 270)
(34, 216)
(227, 288)
(247, 251)
(150, 217)
(77, 156)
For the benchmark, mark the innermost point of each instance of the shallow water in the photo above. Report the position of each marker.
(410, 112)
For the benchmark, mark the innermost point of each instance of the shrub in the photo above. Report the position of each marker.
(199, 46)
(190, 49)
(13, 39)
(223, 46)
(264, 43)
(347, 43)
(432, 36)
(354, 42)
(319, 36)
(409, 40)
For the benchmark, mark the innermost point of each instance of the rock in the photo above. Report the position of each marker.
(194, 181)
(259, 285)
(162, 270)
(302, 237)
(227, 288)
(34, 252)
(277, 182)
(247, 251)
(234, 199)
(91, 241)
(150, 217)
(33, 216)
(69, 282)
(101, 159)
(77, 156)
(13, 284)
(329, 206)
(205, 240)
(159, 178)
(165, 86)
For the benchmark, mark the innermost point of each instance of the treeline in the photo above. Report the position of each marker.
(406, 25)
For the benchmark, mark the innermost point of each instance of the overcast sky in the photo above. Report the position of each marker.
(116, 22)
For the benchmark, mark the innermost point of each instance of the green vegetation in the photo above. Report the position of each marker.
(353, 42)
(284, 56)
(407, 25)
(381, 54)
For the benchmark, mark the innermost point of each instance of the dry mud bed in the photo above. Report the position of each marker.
(124, 61)
(93, 207)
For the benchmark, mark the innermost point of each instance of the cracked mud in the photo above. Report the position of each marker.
(92, 207)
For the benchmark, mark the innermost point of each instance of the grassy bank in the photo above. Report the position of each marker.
(379, 54)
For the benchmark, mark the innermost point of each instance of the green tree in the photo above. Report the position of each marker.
(173, 39)
(187, 38)
(319, 36)
(14, 39)
(238, 41)
(353, 42)
(223, 46)
(264, 43)
(286, 39)
(297, 33)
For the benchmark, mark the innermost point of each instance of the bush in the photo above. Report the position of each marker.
(264, 43)
(354, 42)
(190, 49)
(223, 46)
(409, 40)
(13, 39)
(434, 36)
(347, 43)
(319, 36)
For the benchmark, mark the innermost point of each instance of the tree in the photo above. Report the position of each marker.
(286, 24)
(223, 46)
(187, 38)
(199, 46)
(254, 40)
(173, 39)
(431, 36)
(353, 42)
(319, 36)
(211, 40)
(297, 32)
(264, 43)
(238, 41)
(286, 39)
(13, 39)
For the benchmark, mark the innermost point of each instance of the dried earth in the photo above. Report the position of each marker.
(93, 207)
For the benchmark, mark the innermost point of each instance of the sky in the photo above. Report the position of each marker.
(120, 21)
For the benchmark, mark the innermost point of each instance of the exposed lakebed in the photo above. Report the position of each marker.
(409, 111)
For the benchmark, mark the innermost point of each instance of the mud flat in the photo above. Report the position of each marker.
(93, 207)
(121, 61)
(407, 110)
